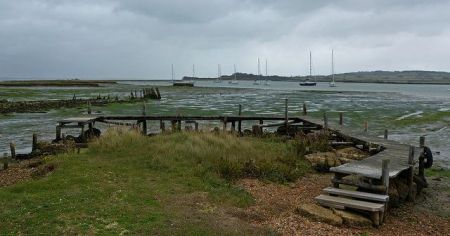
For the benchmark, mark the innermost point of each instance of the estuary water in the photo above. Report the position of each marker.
(407, 111)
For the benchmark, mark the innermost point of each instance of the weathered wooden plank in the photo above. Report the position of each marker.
(357, 194)
(350, 203)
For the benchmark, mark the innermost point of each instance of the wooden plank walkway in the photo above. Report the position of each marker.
(370, 167)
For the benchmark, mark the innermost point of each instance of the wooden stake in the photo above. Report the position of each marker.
(225, 124)
(305, 112)
(144, 122)
(58, 132)
(286, 118)
(5, 161)
(196, 126)
(366, 126)
(162, 126)
(325, 120)
(34, 143)
(411, 173)
(386, 134)
(341, 118)
(12, 147)
(422, 141)
(240, 122)
(89, 111)
(385, 173)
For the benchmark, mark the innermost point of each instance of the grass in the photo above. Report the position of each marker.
(438, 172)
(169, 184)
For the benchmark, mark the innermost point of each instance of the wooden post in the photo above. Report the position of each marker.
(12, 147)
(421, 158)
(144, 122)
(34, 143)
(58, 132)
(257, 130)
(240, 121)
(286, 118)
(233, 126)
(422, 141)
(179, 125)
(225, 122)
(385, 173)
(305, 112)
(196, 126)
(341, 118)
(366, 126)
(162, 126)
(83, 138)
(411, 196)
(5, 161)
(386, 134)
(174, 125)
(325, 120)
(89, 109)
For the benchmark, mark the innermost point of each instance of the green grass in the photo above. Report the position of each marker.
(438, 172)
(426, 118)
(169, 184)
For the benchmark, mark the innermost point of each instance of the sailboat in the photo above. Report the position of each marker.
(234, 81)
(307, 82)
(266, 82)
(259, 75)
(219, 74)
(332, 83)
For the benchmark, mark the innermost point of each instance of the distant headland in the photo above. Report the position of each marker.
(395, 77)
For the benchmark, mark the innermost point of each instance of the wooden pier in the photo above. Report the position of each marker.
(389, 158)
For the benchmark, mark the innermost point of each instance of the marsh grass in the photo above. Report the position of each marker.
(127, 183)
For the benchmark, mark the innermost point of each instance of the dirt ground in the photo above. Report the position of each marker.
(275, 208)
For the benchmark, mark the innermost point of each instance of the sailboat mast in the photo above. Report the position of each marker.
(332, 64)
(266, 68)
(193, 70)
(172, 74)
(310, 65)
(234, 65)
(259, 69)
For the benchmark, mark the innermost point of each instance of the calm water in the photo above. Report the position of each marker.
(408, 111)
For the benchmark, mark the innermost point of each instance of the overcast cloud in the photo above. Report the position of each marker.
(141, 39)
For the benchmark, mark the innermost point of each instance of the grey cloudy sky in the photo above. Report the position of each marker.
(142, 38)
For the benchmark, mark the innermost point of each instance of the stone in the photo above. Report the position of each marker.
(319, 213)
(353, 219)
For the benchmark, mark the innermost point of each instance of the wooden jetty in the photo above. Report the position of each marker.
(389, 159)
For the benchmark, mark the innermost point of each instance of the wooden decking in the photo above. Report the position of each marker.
(395, 152)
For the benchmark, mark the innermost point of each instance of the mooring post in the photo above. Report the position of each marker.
(196, 126)
(58, 132)
(286, 123)
(144, 121)
(34, 143)
(174, 125)
(366, 126)
(411, 173)
(240, 121)
(385, 174)
(386, 134)
(89, 109)
(5, 161)
(325, 120)
(233, 126)
(225, 124)
(421, 158)
(83, 138)
(341, 118)
(12, 147)
(162, 126)
(305, 112)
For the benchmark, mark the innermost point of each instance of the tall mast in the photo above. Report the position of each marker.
(259, 69)
(266, 67)
(332, 64)
(172, 74)
(193, 70)
(234, 65)
(310, 65)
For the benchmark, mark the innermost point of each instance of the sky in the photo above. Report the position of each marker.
(140, 39)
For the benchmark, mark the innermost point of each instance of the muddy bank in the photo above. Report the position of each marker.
(45, 105)
(56, 83)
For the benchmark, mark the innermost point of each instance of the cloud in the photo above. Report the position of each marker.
(140, 39)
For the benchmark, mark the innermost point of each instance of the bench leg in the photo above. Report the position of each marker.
(375, 217)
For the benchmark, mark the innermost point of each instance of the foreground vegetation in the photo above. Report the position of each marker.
(167, 184)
